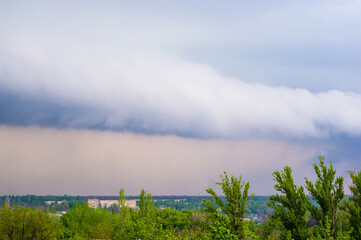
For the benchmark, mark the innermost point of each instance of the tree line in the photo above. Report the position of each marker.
(255, 206)
(326, 213)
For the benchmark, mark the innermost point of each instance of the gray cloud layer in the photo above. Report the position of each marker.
(49, 161)
(128, 67)
(180, 97)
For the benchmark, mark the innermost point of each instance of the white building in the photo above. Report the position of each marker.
(95, 203)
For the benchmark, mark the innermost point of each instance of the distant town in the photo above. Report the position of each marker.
(257, 208)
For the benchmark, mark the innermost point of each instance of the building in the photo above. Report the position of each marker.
(53, 202)
(95, 203)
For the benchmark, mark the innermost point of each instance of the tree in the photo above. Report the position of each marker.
(174, 220)
(236, 193)
(219, 229)
(85, 222)
(21, 222)
(146, 205)
(328, 193)
(268, 228)
(124, 209)
(354, 205)
(143, 224)
(290, 208)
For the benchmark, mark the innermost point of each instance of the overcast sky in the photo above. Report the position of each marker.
(258, 82)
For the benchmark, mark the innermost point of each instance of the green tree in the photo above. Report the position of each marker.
(142, 224)
(122, 198)
(146, 205)
(174, 220)
(124, 209)
(220, 229)
(53, 210)
(21, 222)
(326, 231)
(85, 222)
(268, 228)
(289, 208)
(250, 231)
(328, 193)
(354, 205)
(236, 193)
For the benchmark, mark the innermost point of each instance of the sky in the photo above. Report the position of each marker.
(166, 95)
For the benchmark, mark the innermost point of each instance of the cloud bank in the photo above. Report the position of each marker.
(127, 72)
(169, 96)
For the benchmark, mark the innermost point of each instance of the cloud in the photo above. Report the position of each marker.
(49, 161)
(169, 96)
(104, 69)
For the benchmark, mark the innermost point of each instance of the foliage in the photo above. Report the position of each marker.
(325, 230)
(258, 206)
(250, 231)
(179, 202)
(236, 193)
(146, 205)
(122, 198)
(124, 209)
(219, 229)
(268, 228)
(328, 193)
(22, 222)
(85, 222)
(354, 205)
(221, 217)
(290, 208)
(35, 201)
(173, 219)
(143, 224)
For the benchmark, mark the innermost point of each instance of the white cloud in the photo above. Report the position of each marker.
(121, 64)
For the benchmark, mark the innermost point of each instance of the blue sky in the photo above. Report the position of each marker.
(234, 72)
